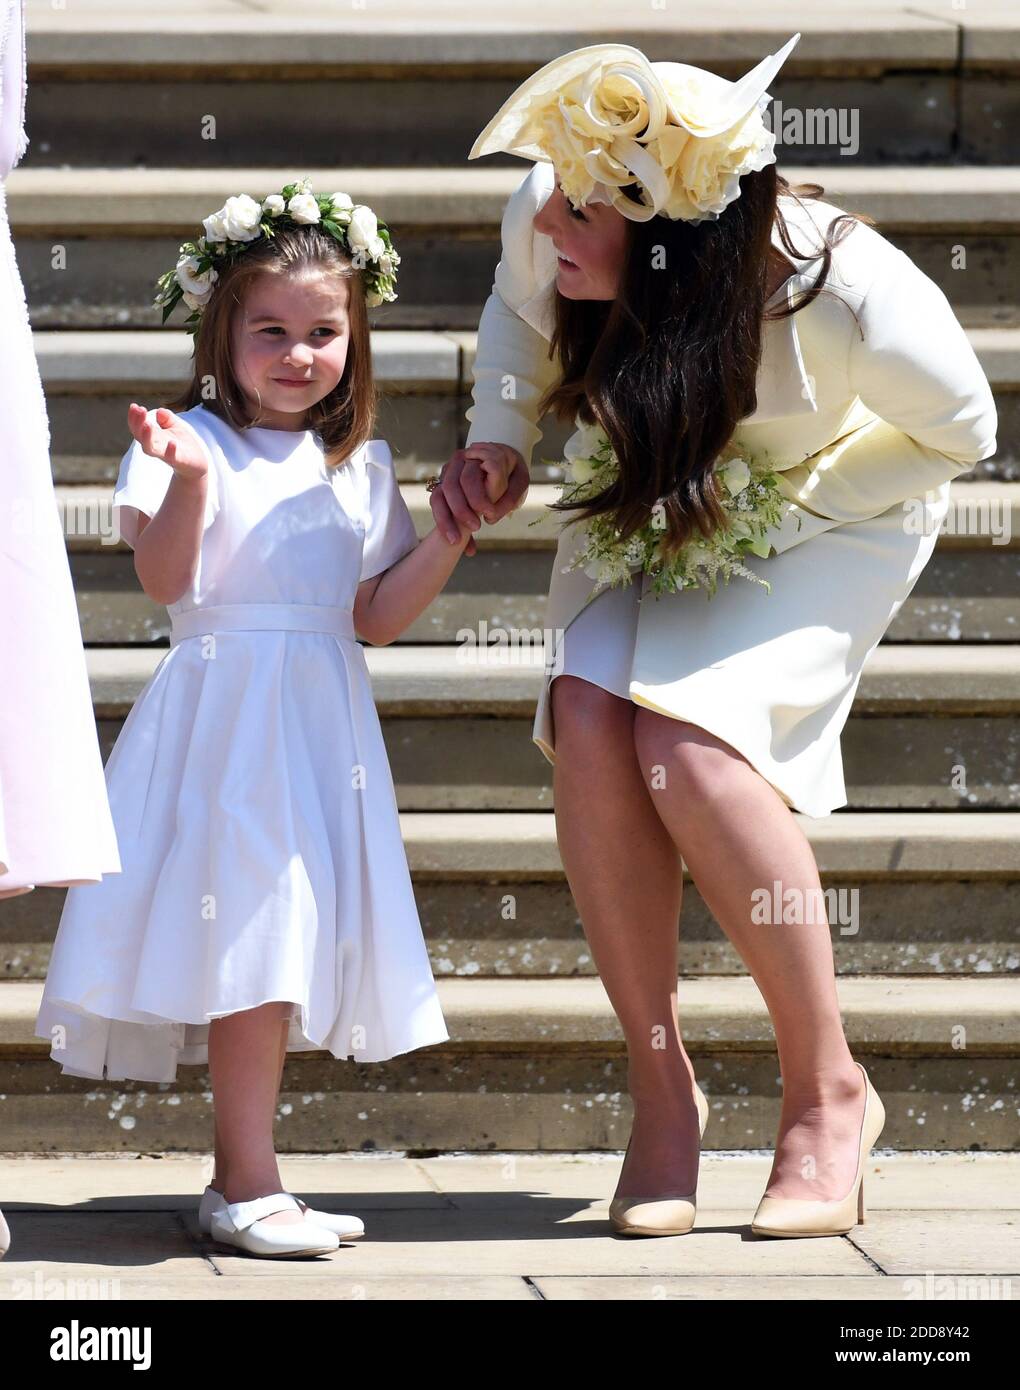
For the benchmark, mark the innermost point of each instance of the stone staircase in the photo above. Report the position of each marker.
(923, 863)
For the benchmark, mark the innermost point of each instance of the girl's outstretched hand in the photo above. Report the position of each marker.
(168, 438)
(483, 480)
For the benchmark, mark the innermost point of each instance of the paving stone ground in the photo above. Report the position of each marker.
(507, 1226)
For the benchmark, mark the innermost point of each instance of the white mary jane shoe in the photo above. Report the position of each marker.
(346, 1227)
(240, 1224)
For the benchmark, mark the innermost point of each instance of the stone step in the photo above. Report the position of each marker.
(424, 378)
(409, 84)
(121, 229)
(932, 728)
(540, 1064)
(969, 591)
(90, 378)
(909, 893)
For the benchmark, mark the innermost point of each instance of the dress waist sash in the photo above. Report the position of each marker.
(261, 617)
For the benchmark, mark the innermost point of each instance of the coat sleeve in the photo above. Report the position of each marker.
(912, 365)
(512, 367)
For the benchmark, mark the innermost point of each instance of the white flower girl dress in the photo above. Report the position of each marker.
(250, 787)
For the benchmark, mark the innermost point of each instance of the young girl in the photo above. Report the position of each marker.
(265, 903)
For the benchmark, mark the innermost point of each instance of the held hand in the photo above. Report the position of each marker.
(168, 438)
(483, 480)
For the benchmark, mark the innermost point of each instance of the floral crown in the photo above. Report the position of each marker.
(607, 118)
(243, 221)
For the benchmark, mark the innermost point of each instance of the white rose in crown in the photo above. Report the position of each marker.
(197, 285)
(303, 208)
(342, 204)
(363, 229)
(275, 204)
(237, 220)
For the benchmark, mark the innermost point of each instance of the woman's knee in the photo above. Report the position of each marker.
(583, 711)
(678, 754)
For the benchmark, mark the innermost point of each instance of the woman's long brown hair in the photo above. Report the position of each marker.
(669, 367)
(345, 418)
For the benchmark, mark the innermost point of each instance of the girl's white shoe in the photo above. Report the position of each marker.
(346, 1227)
(5, 1237)
(240, 1224)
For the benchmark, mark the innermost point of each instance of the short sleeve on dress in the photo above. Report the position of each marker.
(143, 483)
(389, 530)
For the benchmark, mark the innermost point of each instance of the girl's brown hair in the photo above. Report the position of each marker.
(345, 418)
(669, 367)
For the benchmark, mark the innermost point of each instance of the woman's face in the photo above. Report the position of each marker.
(290, 344)
(591, 245)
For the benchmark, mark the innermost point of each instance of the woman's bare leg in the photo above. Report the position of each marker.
(737, 835)
(244, 1066)
(625, 875)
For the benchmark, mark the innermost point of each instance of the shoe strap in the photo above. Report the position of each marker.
(245, 1214)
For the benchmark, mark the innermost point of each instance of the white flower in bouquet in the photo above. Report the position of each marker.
(582, 470)
(584, 442)
(734, 475)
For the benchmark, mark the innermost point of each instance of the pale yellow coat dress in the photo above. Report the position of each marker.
(868, 421)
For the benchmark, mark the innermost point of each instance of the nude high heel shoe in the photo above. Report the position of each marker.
(667, 1213)
(799, 1216)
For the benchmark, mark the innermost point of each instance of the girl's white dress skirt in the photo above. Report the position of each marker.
(772, 674)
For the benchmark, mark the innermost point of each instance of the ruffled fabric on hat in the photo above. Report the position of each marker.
(608, 119)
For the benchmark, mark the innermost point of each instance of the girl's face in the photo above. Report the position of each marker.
(591, 245)
(294, 331)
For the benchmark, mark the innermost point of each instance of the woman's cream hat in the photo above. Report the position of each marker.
(606, 117)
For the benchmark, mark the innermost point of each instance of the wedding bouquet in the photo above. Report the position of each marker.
(750, 498)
